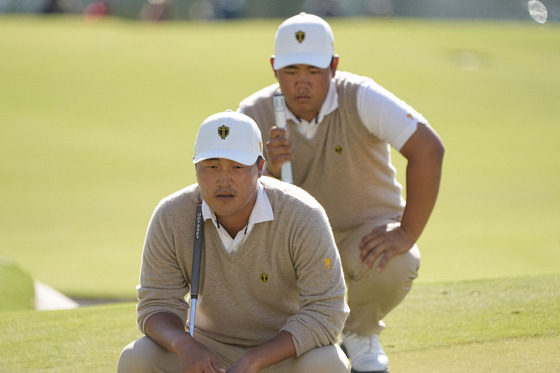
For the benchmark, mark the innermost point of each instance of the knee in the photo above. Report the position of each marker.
(128, 361)
(140, 356)
(403, 268)
(324, 359)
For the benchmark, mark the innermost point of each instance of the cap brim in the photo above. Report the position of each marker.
(244, 158)
(321, 61)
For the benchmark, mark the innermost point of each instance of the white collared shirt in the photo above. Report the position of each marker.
(380, 111)
(262, 211)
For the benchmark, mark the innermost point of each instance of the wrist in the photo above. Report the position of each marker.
(273, 174)
(181, 342)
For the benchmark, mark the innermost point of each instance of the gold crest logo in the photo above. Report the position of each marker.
(327, 262)
(338, 149)
(264, 277)
(300, 36)
(223, 132)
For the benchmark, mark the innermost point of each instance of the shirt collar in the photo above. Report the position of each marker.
(262, 211)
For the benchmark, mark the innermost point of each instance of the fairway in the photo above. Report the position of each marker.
(98, 120)
(505, 325)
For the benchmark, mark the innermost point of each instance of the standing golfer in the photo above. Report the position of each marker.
(338, 138)
(272, 291)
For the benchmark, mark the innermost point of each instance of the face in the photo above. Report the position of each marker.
(228, 187)
(305, 87)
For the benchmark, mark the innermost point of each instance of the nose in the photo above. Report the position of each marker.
(224, 177)
(303, 79)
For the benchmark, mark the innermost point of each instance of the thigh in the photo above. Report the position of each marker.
(354, 269)
(145, 355)
(326, 359)
(225, 353)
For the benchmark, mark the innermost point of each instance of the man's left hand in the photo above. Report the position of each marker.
(384, 242)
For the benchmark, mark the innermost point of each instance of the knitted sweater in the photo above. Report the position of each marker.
(345, 167)
(285, 276)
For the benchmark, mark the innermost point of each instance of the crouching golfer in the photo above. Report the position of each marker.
(271, 295)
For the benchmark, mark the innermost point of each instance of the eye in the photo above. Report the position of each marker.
(240, 168)
(210, 165)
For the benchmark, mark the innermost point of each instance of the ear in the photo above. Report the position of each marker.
(261, 167)
(272, 64)
(334, 64)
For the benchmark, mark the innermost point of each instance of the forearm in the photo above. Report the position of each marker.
(422, 190)
(275, 350)
(423, 175)
(271, 173)
(168, 331)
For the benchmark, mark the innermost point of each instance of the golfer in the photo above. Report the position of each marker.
(340, 127)
(272, 291)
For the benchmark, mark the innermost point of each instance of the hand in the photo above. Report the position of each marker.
(384, 242)
(196, 358)
(280, 149)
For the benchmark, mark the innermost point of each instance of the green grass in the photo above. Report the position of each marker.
(505, 325)
(16, 289)
(97, 123)
(88, 339)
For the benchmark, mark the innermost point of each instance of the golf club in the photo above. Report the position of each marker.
(280, 112)
(196, 263)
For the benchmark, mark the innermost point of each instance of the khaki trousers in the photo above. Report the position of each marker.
(144, 355)
(371, 294)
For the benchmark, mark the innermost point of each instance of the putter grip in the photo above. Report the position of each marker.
(197, 252)
(281, 122)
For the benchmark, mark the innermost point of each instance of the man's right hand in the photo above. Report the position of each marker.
(194, 357)
(168, 331)
(280, 149)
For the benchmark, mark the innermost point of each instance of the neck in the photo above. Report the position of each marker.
(237, 221)
(232, 226)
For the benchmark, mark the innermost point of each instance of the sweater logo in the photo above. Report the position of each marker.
(327, 262)
(338, 149)
(223, 132)
(264, 278)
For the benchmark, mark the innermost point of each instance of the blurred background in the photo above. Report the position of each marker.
(157, 10)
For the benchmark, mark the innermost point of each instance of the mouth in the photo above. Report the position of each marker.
(224, 195)
(303, 97)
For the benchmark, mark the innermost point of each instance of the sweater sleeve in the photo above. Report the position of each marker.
(163, 285)
(320, 279)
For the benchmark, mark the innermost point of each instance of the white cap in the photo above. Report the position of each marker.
(303, 39)
(229, 135)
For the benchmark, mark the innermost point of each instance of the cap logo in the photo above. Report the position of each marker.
(300, 35)
(223, 132)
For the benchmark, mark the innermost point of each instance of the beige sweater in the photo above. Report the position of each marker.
(286, 275)
(346, 168)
